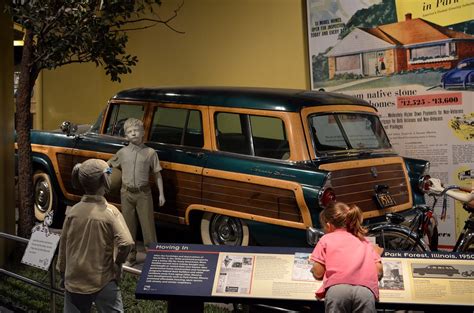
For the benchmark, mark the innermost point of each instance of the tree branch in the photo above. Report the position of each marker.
(46, 26)
(138, 28)
(148, 26)
(71, 61)
(155, 21)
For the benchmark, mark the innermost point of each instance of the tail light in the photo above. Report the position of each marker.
(424, 183)
(326, 196)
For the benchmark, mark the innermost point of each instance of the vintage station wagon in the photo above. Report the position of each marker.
(242, 164)
(436, 269)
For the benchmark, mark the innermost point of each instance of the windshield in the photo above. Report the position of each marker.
(347, 131)
(96, 127)
(466, 65)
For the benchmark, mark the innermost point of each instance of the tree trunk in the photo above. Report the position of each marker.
(28, 75)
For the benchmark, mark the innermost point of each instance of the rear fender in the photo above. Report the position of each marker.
(378, 228)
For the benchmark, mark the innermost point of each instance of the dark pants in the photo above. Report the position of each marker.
(108, 299)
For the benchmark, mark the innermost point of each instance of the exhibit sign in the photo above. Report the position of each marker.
(226, 271)
(220, 273)
(414, 61)
(41, 248)
(427, 278)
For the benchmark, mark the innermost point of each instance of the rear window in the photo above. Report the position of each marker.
(347, 131)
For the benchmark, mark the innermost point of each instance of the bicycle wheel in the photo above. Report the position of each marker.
(466, 244)
(397, 240)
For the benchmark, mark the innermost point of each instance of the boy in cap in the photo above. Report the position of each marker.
(93, 230)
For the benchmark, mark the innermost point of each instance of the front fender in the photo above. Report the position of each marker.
(42, 162)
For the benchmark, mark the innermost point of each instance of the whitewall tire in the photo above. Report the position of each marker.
(219, 229)
(44, 195)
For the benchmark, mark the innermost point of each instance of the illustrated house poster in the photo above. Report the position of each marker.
(414, 61)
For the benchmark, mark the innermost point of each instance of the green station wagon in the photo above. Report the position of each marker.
(241, 165)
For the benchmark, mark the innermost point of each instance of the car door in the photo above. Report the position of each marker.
(178, 134)
(244, 176)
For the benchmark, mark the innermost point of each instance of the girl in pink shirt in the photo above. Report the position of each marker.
(349, 265)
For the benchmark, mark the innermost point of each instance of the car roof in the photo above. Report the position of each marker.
(292, 100)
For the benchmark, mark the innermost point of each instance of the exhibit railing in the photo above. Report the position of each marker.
(53, 291)
(50, 288)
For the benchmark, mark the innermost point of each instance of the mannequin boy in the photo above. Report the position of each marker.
(136, 162)
(90, 271)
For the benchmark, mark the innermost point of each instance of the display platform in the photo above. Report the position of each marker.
(281, 274)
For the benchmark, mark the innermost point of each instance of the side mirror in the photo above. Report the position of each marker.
(313, 235)
(68, 128)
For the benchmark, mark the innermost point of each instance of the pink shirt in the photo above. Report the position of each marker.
(348, 260)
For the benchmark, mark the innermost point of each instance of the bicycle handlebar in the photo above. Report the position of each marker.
(465, 196)
(436, 186)
(446, 189)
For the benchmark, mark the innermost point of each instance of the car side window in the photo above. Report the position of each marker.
(262, 136)
(177, 126)
(269, 137)
(120, 113)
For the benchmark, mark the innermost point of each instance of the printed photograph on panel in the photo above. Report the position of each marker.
(434, 270)
(392, 276)
(302, 267)
(235, 274)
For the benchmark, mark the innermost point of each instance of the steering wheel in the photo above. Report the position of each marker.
(118, 129)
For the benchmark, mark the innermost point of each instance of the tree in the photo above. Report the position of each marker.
(466, 27)
(320, 66)
(61, 32)
(373, 16)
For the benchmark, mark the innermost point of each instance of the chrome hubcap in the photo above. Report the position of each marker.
(42, 195)
(226, 231)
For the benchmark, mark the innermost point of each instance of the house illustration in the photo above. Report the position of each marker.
(392, 48)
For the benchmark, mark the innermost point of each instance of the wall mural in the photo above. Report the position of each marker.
(414, 61)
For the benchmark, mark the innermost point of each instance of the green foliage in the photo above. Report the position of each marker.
(466, 27)
(320, 67)
(131, 304)
(375, 15)
(22, 297)
(76, 31)
(348, 76)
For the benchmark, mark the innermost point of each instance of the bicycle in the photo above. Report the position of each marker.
(407, 234)
(424, 223)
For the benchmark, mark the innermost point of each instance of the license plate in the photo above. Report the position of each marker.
(384, 200)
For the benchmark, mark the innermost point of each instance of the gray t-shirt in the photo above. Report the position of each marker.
(136, 162)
